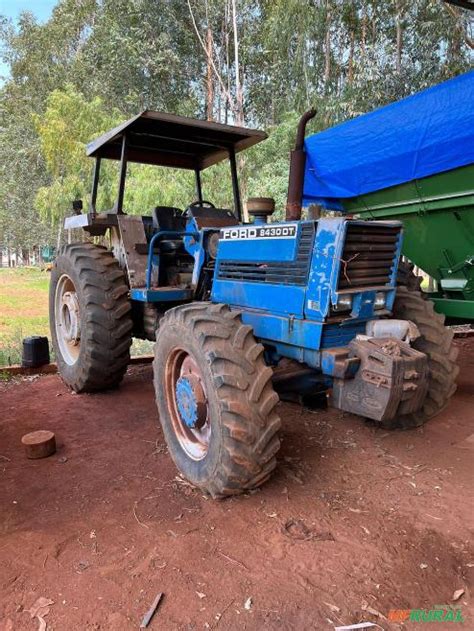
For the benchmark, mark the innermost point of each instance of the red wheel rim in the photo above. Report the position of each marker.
(194, 438)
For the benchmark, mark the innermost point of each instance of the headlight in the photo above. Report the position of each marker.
(379, 302)
(344, 303)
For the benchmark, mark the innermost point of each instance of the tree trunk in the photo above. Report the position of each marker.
(399, 33)
(350, 72)
(363, 36)
(239, 100)
(327, 46)
(239, 109)
(227, 60)
(209, 78)
(456, 13)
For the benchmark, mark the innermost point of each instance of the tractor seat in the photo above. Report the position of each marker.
(166, 246)
(168, 218)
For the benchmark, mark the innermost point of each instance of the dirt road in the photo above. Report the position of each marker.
(356, 521)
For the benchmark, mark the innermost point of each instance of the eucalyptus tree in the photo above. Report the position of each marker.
(257, 62)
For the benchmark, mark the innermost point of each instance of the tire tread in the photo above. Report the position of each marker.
(436, 342)
(245, 395)
(108, 330)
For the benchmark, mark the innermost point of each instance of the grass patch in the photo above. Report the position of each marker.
(23, 309)
(141, 347)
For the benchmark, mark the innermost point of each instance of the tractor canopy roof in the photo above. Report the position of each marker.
(173, 141)
(422, 135)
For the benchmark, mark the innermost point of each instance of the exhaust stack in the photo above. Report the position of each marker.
(297, 166)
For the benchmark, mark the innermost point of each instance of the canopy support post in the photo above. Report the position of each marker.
(123, 172)
(235, 185)
(95, 186)
(198, 185)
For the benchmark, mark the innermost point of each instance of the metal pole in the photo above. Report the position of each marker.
(198, 185)
(95, 185)
(235, 184)
(123, 173)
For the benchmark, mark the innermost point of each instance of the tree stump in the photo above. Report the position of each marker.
(39, 444)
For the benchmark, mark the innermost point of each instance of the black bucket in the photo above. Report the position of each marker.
(35, 351)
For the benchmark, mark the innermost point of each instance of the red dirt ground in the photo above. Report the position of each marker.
(381, 520)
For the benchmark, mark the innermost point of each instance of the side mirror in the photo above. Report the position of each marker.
(77, 206)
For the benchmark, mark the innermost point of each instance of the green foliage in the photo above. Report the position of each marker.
(21, 174)
(150, 186)
(68, 123)
(267, 165)
(97, 62)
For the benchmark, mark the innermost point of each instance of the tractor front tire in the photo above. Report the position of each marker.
(215, 399)
(90, 317)
(436, 341)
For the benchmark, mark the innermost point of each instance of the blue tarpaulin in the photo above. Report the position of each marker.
(427, 133)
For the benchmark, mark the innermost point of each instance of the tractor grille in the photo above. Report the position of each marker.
(369, 255)
(285, 273)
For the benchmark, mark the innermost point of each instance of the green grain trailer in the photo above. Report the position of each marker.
(413, 161)
(438, 219)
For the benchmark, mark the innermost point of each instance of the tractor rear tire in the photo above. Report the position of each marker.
(90, 317)
(406, 277)
(436, 341)
(224, 437)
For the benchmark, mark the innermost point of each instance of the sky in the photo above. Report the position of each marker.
(12, 9)
(41, 8)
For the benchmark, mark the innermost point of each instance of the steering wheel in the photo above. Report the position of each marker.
(202, 203)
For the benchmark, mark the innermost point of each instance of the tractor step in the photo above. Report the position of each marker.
(161, 294)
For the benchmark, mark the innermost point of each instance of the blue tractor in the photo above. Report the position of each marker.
(239, 310)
